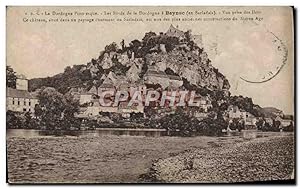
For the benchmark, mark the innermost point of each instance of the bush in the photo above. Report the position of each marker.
(271, 128)
(289, 128)
(211, 127)
(13, 120)
(17, 120)
(181, 124)
(237, 123)
(56, 111)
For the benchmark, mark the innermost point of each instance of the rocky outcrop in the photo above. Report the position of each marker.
(183, 57)
(189, 65)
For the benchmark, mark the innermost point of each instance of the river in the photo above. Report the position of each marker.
(29, 133)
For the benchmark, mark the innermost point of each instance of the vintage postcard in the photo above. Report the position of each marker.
(151, 94)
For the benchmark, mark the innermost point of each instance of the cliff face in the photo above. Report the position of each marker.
(192, 66)
(179, 54)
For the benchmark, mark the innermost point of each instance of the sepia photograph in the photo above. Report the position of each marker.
(150, 94)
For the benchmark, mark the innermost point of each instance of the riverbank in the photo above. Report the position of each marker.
(264, 159)
(128, 159)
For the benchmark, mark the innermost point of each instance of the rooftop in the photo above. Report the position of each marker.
(174, 77)
(14, 93)
(106, 85)
(21, 76)
(172, 31)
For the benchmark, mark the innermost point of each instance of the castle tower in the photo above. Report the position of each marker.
(21, 83)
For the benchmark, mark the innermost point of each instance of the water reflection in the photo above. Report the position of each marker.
(251, 134)
(27, 133)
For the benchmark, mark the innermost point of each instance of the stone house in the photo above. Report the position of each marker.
(269, 121)
(87, 97)
(235, 112)
(19, 99)
(285, 120)
(132, 73)
(153, 76)
(176, 32)
(205, 103)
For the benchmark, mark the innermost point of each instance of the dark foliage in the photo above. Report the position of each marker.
(289, 128)
(10, 77)
(144, 70)
(237, 124)
(72, 77)
(14, 120)
(17, 120)
(170, 72)
(182, 124)
(246, 104)
(56, 111)
(113, 47)
(118, 68)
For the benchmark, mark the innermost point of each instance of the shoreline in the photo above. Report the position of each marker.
(239, 163)
(115, 159)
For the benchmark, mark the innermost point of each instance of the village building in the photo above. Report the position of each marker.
(176, 32)
(75, 92)
(235, 112)
(108, 84)
(94, 108)
(132, 73)
(88, 96)
(125, 110)
(105, 87)
(85, 97)
(138, 86)
(19, 99)
(278, 113)
(205, 103)
(269, 121)
(175, 81)
(285, 120)
(111, 76)
(153, 76)
(250, 121)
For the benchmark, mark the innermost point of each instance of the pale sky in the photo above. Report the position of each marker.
(244, 48)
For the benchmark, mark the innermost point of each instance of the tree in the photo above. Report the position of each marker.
(147, 36)
(170, 42)
(182, 124)
(55, 111)
(246, 104)
(13, 120)
(179, 123)
(211, 127)
(260, 123)
(30, 122)
(71, 107)
(10, 77)
(289, 128)
(134, 46)
(68, 69)
(113, 47)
